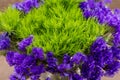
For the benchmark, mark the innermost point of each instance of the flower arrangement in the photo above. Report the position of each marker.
(75, 39)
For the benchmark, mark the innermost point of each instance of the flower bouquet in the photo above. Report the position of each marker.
(70, 39)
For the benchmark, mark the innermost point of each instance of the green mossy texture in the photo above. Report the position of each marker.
(57, 26)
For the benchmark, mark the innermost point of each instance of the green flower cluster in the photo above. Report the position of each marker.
(58, 26)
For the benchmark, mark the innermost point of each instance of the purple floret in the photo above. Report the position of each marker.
(112, 68)
(13, 77)
(48, 78)
(116, 52)
(9, 58)
(25, 43)
(16, 76)
(76, 76)
(18, 58)
(52, 62)
(78, 58)
(27, 5)
(28, 61)
(4, 41)
(35, 77)
(38, 53)
(21, 70)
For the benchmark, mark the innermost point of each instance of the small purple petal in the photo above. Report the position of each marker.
(9, 58)
(25, 42)
(38, 53)
(78, 58)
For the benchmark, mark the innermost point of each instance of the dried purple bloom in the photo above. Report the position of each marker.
(116, 52)
(96, 73)
(78, 58)
(25, 42)
(18, 58)
(104, 57)
(28, 61)
(48, 78)
(9, 58)
(64, 67)
(112, 68)
(87, 13)
(36, 3)
(90, 71)
(21, 70)
(83, 6)
(76, 76)
(13, 77)
(99, 45)
(37, 70)
(66, 59)
(87, 67)
(107, 1)
(116, 40)
(91, 4)
(35, 77)
(52, 62)
(16, 76)
(38, 53)
(27, 5)
(4, 41)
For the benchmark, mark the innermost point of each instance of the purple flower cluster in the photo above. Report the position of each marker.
(4, 41)
(104, 57)
(26, 65)
(102, 60)
(101, 12)
(25, 42)
(27, 5)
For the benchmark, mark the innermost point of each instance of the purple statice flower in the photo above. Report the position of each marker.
(117, 13)
(116, 52)
(83, 6)
(112, 68)
(21, 70)
(116, 40)
(87, 67)
(78, 58)
(90, 70)
(13, 77)
(14, 58)
(25, 42)
(76, 76)
(27, 5)
(4, 41)
(16, 76)
(99, 45)
(18, 58)
(101, 53)
(37, 69)
(91, 4)
(52, 62)
(28, 61)
(91, 8)
(38, 53)
(107, 1)
(96, 73)
(64, 67)
(66, 58)
(9, 58)
(87, 13)
(35, 77)
(48, 78)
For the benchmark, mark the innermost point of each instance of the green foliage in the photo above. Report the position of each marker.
(58, 26)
